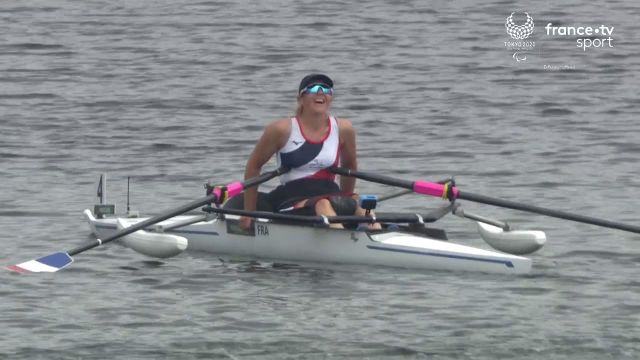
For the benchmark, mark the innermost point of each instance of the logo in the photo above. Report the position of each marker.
(517, 56)
(519, 44)
(315, 164)
(296, 142)
(589, 36)
(519, 32)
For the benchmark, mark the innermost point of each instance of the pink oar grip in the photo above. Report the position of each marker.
(432, 189)
(234, 189)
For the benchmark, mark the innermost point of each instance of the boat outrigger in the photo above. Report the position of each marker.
(406, 240)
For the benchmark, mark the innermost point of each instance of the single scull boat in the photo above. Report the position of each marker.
(307, 238)
(407, 242)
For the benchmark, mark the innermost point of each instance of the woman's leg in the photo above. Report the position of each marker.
(321, 206)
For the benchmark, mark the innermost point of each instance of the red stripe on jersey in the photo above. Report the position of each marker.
(323, 174)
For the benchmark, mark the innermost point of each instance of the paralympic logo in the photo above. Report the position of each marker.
(517, 56)
(519, 32)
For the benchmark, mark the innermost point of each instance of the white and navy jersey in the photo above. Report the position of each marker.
(309, 159)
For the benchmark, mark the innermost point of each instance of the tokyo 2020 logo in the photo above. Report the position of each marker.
(519, 32)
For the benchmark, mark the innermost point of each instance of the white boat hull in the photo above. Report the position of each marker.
(274, 241)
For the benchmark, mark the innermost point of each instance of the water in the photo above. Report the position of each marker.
(175, 93)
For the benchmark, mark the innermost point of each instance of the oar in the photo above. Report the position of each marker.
(59, 260)
(445, 191)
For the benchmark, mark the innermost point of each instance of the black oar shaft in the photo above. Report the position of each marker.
(175, 212)
(381, 179)
(493, 201)
(548, 212)
(262, 178)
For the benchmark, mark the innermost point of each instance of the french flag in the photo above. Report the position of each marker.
(49, 263)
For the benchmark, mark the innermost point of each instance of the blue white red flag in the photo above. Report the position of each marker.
(49, 263)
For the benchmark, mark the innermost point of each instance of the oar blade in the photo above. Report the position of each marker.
(49, 263)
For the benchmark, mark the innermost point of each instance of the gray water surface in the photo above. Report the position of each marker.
(176, 93)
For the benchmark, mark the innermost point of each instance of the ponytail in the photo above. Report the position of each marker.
(299, 107)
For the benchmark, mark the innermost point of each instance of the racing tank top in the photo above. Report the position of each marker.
(309, 159)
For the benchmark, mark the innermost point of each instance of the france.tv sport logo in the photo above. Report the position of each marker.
(519, 32)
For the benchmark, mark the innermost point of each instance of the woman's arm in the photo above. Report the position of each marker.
(348, 158)
(272, 139)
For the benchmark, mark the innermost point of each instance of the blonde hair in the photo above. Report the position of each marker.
(298, 106)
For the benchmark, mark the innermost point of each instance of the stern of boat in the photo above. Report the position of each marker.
(88, 215)
(100, 227)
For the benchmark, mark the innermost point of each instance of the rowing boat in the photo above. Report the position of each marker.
(404, 241)
(282, 238)
(274, 241)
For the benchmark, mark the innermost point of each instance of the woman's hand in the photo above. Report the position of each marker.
(246, 223)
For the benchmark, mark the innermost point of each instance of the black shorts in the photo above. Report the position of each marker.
(287, 195)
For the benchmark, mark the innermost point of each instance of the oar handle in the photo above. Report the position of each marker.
(405, 192)
(439, 189)
(232, 190)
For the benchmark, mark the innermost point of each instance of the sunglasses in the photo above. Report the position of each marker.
(316, 88)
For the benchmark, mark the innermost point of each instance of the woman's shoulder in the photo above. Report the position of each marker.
(279, 128)
(344, 124)
(342, 121)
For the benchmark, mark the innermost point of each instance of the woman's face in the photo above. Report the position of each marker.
(316, 98)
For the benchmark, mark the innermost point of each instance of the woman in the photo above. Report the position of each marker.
(308, 144)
